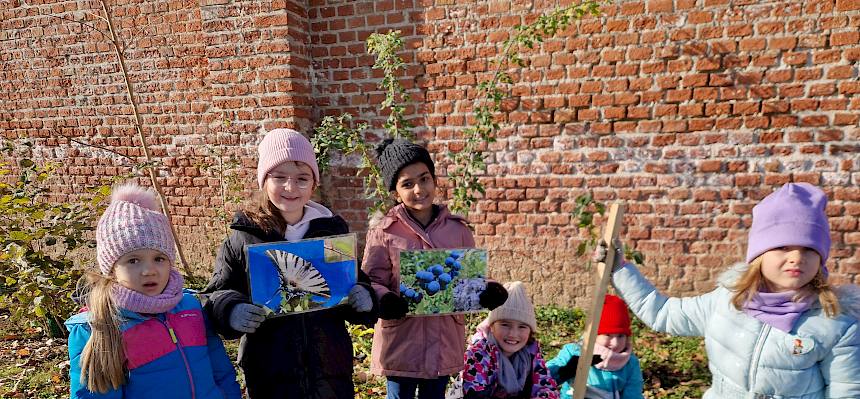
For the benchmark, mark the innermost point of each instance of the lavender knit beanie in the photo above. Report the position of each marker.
(284, 145)
(132, 221)
(792, 215)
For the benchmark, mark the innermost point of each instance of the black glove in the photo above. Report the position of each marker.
(493, 296)
(392, 306)
(568, 371)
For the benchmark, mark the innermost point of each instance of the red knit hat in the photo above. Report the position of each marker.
(614, 319)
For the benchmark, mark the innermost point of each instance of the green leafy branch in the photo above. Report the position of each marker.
(336, 134)
(470, 162)
(586, 207)
(385, 48)
(37, 238)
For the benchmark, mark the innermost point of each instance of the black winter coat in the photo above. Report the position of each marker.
(307, 355)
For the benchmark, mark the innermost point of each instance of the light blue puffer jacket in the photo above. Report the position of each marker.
(820, 358)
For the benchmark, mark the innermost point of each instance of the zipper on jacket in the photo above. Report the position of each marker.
(756, 356)
(181, 353)
(305, 381)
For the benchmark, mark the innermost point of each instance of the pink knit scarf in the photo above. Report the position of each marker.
(612, 361)
(141, 303)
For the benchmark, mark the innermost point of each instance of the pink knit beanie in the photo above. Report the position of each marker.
(132, 221)
(284, 145)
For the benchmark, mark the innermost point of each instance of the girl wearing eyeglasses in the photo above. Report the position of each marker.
(306, 355)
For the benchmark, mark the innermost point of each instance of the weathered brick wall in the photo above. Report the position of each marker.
(689, 111)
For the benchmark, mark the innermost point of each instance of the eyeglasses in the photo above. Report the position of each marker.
(299, 182)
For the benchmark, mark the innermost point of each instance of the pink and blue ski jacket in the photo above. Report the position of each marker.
(170, 355)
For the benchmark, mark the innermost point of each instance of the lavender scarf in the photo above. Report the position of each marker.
(777, 309)
(141, 303)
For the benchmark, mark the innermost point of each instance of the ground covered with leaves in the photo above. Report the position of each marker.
(33, 366)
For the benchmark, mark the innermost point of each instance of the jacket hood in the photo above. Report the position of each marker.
(313, 211)
(848, 294)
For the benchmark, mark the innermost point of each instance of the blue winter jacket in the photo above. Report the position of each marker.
(173, 355)
(625, 383)
(819, 358)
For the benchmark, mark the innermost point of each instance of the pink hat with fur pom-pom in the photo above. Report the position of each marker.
(132, 221)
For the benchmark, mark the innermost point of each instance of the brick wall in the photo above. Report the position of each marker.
(689, 111)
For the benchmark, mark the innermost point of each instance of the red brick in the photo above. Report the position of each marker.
(849, 88)
(844, 38)
(739, 30)
(708, 64)
(710, 166)
(658, 6)
(847, 5)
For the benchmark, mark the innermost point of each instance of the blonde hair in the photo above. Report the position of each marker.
(749, 284)
(103, 360)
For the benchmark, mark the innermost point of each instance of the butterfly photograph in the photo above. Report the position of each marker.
(302, 276)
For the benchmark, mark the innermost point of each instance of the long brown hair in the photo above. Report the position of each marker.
(749, 284)
(103, 360)
(265, 214)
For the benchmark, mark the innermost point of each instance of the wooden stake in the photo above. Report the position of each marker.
(604, 273)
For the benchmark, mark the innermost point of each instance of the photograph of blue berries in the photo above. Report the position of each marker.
(438, 281)
(302, 276)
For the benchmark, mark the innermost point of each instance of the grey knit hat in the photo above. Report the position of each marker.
(396, 154)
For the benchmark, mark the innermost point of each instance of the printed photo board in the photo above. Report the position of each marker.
(302, 276)
(442, 281)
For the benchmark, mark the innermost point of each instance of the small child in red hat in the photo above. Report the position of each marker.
(615, 372)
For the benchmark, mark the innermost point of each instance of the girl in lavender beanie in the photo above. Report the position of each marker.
(775, 327)
(141, 336)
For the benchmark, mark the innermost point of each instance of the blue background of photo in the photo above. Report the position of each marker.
(264, 280)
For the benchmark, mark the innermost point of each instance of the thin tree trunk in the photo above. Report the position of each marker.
(137, 125)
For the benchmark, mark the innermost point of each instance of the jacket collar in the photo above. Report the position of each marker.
(322, 225)
(400, 214)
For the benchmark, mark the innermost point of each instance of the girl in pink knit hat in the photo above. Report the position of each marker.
(306, 355)
(141, 335)
(774, 327)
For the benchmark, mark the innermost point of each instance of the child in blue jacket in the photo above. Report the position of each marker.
(614, 372)
(141, 335)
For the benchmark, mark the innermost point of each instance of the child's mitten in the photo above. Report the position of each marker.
(568, 371)
(246, 317)
(392, 306)
(493, 296)
(359, 298)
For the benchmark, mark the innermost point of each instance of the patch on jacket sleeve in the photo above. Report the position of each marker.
(189, 327)
(799, 345)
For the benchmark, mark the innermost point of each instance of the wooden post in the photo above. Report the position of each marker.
(604, 273)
